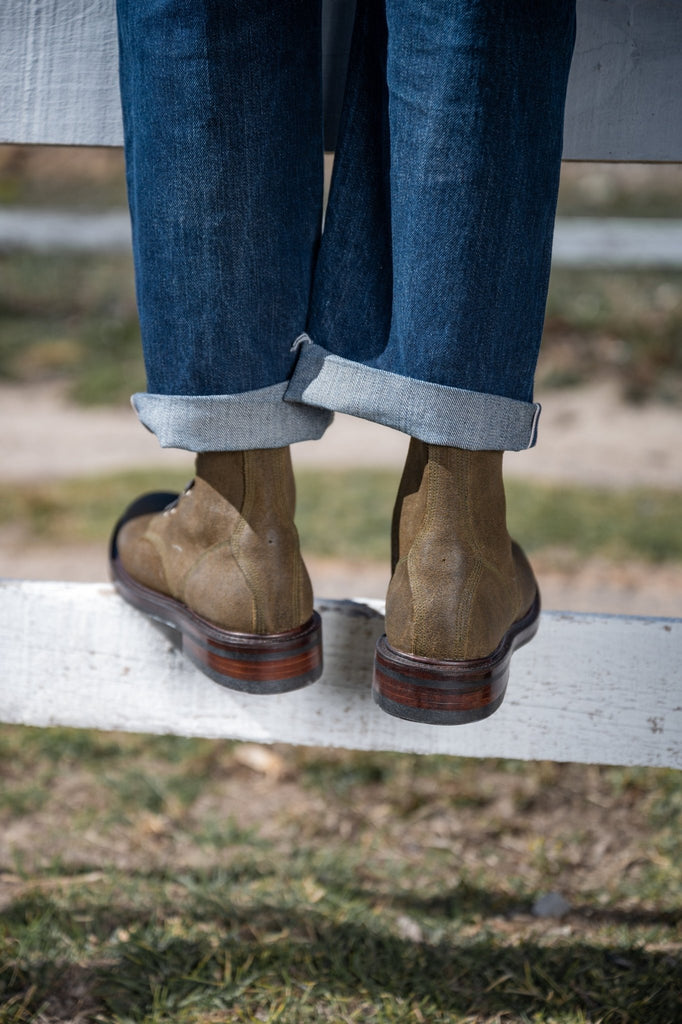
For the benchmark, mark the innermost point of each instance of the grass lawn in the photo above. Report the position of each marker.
(152, 879)
(346, 514)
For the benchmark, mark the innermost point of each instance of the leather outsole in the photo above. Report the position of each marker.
(448, 692)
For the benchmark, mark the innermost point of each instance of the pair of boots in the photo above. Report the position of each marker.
(221, 563)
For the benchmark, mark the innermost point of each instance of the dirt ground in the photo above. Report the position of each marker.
(587, 436)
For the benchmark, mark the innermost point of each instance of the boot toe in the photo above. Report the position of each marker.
(130, 548)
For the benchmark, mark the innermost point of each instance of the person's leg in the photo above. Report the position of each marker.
(474, 109)
(431, 283)
(223, 137)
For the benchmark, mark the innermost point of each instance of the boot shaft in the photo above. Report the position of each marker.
(450, 492)
(228, 548)
(245, 479)
(458, 582)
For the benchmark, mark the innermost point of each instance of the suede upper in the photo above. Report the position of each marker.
(459, 582)
(228, 548)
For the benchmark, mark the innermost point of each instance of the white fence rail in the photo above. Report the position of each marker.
(589, 688)
(58, 76)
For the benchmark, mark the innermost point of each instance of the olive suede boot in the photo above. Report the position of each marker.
(221, 563)
(462, 597)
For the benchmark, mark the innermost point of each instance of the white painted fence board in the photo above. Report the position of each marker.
(59, 72)
(58, 76)
(588, 689)
(624, 99)
(578, 241)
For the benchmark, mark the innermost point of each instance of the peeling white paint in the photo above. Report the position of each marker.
(589, 688)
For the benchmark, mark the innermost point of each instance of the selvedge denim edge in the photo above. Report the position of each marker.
(254, 419)
(433, 413)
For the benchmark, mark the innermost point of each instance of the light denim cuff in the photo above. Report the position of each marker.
(433, 413)
(221, 423)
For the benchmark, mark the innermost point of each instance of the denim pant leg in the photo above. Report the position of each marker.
(430, 287)
(223, 138)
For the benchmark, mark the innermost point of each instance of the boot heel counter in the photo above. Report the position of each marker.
(400, 609)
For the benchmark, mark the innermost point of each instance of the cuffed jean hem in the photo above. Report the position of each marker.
(219, 423)
(433, 413)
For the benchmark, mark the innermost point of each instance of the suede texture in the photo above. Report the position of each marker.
(459, 581)
(228, 548)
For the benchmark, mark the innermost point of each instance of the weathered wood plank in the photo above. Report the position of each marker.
(59, 73)
(588, 689)
(58, 76)
(623, 98)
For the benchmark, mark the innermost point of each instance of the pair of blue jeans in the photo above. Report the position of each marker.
(421, 304)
